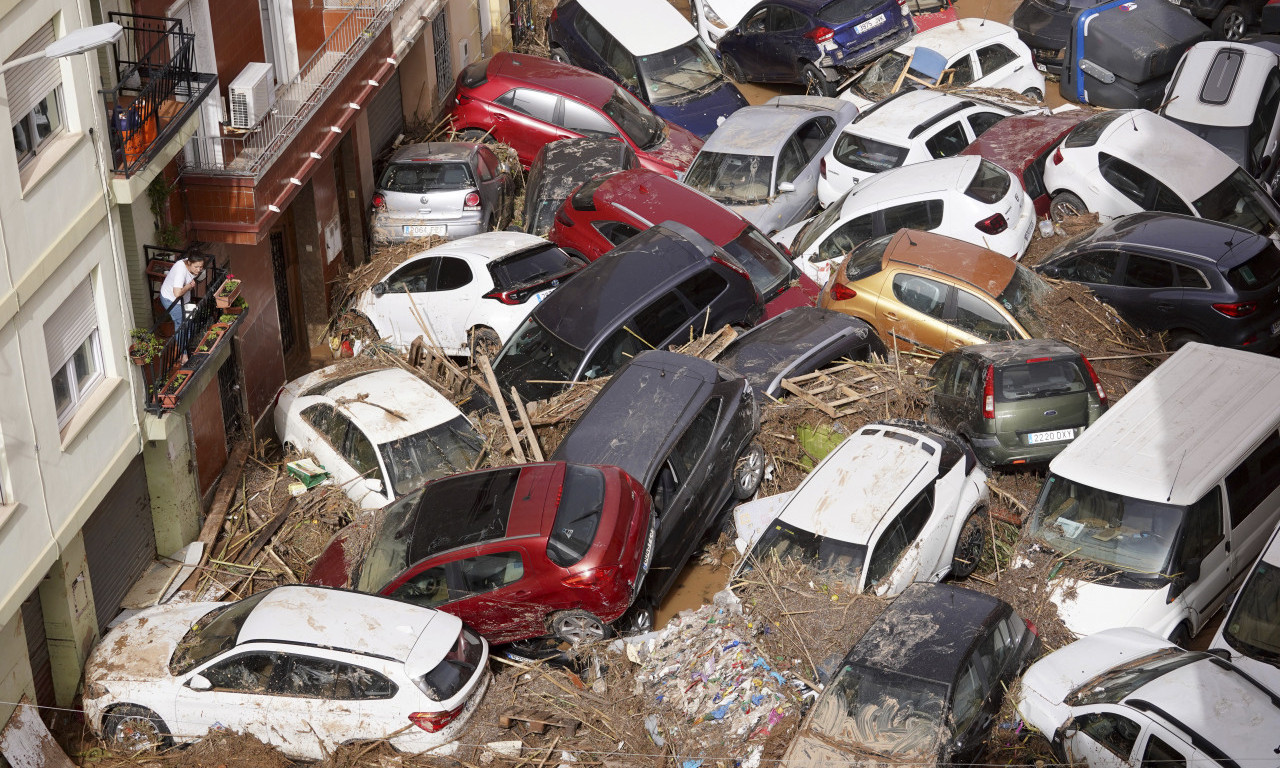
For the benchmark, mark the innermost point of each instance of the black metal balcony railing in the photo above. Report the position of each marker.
(158, 88)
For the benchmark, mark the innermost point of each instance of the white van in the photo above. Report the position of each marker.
(1251, 631)
(1171, 494)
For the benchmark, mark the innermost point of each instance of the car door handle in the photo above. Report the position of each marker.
(891, 315)
(521, 594)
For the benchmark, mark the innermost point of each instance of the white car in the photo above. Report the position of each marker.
(978, 53)
(1127, 160)
(967, 198)
(471, 293)
(896, 502)
(1127, 698)
(909, 127)
(1251, 631)
(714, 18)
(380, 434)
(302, 668)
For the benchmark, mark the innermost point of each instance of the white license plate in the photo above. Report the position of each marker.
(424, 231)
(869, 24)
(1275, 328)
(1052, 436)
(538, 297)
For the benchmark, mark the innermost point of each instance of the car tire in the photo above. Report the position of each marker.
(558, 54)
(1181, 635)
(1033, 93)
(638, 618)
(135, 729)
(477, 135)
(1066, 204)
(1180, 339)
(577, 627)
(814, 83)
(748, 472)
(734, 70)
(1231, 23)
(969, 547)
(483, 340)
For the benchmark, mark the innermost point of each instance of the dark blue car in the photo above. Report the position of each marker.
(647, 47)
(812, 42)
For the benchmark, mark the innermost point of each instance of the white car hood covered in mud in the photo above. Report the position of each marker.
(1094, 607)
(139, 648)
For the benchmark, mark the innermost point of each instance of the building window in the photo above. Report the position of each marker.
(35, 97)
(75, 351)
(440, 44)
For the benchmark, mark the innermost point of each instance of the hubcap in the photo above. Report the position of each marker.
(137, 733)
(1235, 27)
(580, 629)
(750, 469)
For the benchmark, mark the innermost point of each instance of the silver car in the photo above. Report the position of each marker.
(450, 189)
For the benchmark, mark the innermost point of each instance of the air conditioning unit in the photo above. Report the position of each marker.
(252, 94)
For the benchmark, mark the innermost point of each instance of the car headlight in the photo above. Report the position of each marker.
(712, 17)
(95, 690)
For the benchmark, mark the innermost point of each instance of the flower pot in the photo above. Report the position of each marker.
(210, 339)
(138, 358)
(173, 387)
(227, 293)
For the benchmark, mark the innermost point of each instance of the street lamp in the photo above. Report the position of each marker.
(78, 41)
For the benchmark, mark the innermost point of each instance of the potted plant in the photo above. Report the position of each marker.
(144, 346)
(173, 387)
(210, 339)
(237, 307)
(226, 319)
(228, 292)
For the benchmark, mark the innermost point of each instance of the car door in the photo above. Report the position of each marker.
(979, 122)
(1147, 294)
(327, 694)
(1203, 545)
(586, 49)
(915, 316)
(244, 696)
(494, 191)
(528, 122)
(814, 139)
(578, 119)
(978, 693)
(947, 140)
(997, 64)
(962, 71)
(448, 307)
(1253, 498)
(392, 305)
(765, 52)
(904, 546)
(494, 590)
(923, 215)
(949, 388)
(786, 208)
(1102, 737)
(1099, 269)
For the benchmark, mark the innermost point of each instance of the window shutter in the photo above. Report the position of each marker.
(69, 325)
(28, 84)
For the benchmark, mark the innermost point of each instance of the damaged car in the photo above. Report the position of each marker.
(304, 669)
(922, 686)
(896, 502)
(561, 167)
(1021, 144)
(516, 552)
(449, 189)
(1250, 633)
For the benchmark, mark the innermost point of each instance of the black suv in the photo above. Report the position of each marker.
(1196, 279)
(663, 286)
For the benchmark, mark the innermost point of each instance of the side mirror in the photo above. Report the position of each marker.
(379, 290)
(785, 187)
(199, 683)
(1053, 272)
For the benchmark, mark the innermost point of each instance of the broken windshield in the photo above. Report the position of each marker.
(1116, 683)
(214, 633)
(645, 129)
(442, 450)
(1019, 297)
(891, 714)
(877, 81)
(732, 179)
(533, 359)
(838, 559)
(678, 74)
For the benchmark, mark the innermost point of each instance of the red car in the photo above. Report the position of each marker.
(515, 552)
(1020, 144)
(527, 101)
(609, 209)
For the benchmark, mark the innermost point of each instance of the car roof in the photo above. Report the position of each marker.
(897, 116)
(913, 180)
(338, 618)
(388, 403)
(653, 395)
(643, 27)
(1017, 141)
(656, 198)
(552, 76)
(1181, 429)
(955, 36)
(763, 129)
(478, 506)
(1199, 239)
(441, 151)
(486, 246)
(764, 352)
(1018, 350)
(1161, 147)
(926, 631)
(1244, 81)
(985, 270)
(562, 165)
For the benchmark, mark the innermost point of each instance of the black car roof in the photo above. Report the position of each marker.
(1197, 239)
(606, 290)
(629, 423)
(927, 631)
(763, 352)
(1019, 350)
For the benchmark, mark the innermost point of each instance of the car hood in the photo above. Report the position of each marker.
(138, 649)
(702, 114)
(1095, 607)
(1053, 677)
(677, 150)
(764, 215)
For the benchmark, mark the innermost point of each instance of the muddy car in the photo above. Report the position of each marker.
(922, 686)
(450, 189)
(561, 167)
(688, 438)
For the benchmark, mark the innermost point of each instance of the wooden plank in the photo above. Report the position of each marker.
(805, 396)
(221, 503)
(534, 448)
(495, 392)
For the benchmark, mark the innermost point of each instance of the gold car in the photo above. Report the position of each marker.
(934, 293)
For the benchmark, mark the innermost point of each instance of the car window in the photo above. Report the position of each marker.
(415, 277)
(615, 231)
(787, 19)
(1147, 272)
(1203, 528)
(844, 239)
(920, 293)
(454, 273)
(586, 121)
(1127, 179)
(419, 178)
(329, 679)
(979, 122)
(989, 184)
(1158, 754)
(1098, 267)
(791, 161)
(693, 443)
(700, 290)
(922, 214)
(1115, 732)
(1004, 641)
(1087, 133)
(757, 21)
(336, 433)
(973, 315)
(536, 104)
(1264, 118)
(650, 327)
(1041, 378)
(320, 416)
(578, 515)
(360, 453)
(592, 31)
(993, 57)
(1259, 270)
(428, 589)
(247, 672)
(898, 536)
(1190, 277)
(622, 63)
(814, 134)
(485, 573)
(966, 700)
(947, 142)
(963, 68)
(1257, 477)
(486, 164)
(1167, 202)
(863, 154)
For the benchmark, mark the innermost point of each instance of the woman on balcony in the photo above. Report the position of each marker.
(177, 286)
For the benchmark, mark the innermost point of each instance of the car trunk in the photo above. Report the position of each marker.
(1042, 401)
(430, 192)
(1049, 415)
(847, 34)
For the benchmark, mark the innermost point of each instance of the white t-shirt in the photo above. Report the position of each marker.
(178, 277)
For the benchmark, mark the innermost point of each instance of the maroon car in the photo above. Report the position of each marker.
(516, 552)
(527, 101)
(609, 209)
(1021, 144)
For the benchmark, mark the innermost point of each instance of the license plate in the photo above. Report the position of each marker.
(1052, 436)
(869, 24)
(1275, 328)
(424, 231)
(538, 297)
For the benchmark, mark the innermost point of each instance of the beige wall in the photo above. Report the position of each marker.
(422, 100)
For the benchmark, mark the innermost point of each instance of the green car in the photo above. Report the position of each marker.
(1016, 402)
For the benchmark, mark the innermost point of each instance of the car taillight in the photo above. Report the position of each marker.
(820, 34)
(434, 722)
(592, 578)
(379, 201)
(472, 201)
(555, 14)
(989, 393)
(822, 166)
(1093, 376)
(722, 261)
(842, 292)
(1239, 309)
(563, 218)
(508, 297)
(1057, 155)
(993, 224)
(1031, 627)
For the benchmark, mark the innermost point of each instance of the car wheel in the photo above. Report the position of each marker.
(734, 70)
(1181, 635)
(968, 553)
(1231, 23)
(639, 618)
(1033, 93)
(1182, 338)
(477, 135)
(558, 54)
(136, 729)
(483, 341)
(577, 627)
(748, 471)
(813, 81)
(1066, 204)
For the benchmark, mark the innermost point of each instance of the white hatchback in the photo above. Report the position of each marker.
(896, 502)
(471, 293)
(381, 434)
(967, 198)
(1251, 631)
(302, 668)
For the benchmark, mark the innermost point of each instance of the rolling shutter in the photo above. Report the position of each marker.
(119, 541)
(386, 116)
(69, 325)
(28, 84)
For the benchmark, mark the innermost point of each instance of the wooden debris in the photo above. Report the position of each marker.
(708, 347)
(538, 722)
(500, 404)
(811, 386)
(221, 503)
(529, 435)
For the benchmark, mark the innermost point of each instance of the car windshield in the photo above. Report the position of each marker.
(1133, 535)
(1087, 133)
(1112, 686)
(442, 450)
(577, 516)
(868, 155)
(1253, 628)
(534, 354)
(1020, 297)
(1238, 200)
(645, 129)
(817, 226)
(890, 714)
(1039, 378)
(680, 73)
(877, 80)
(770, 271)
(831, 557)
(418, 177)
(532, 266)
(389, 548)
(212, 634)
(732, 179)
